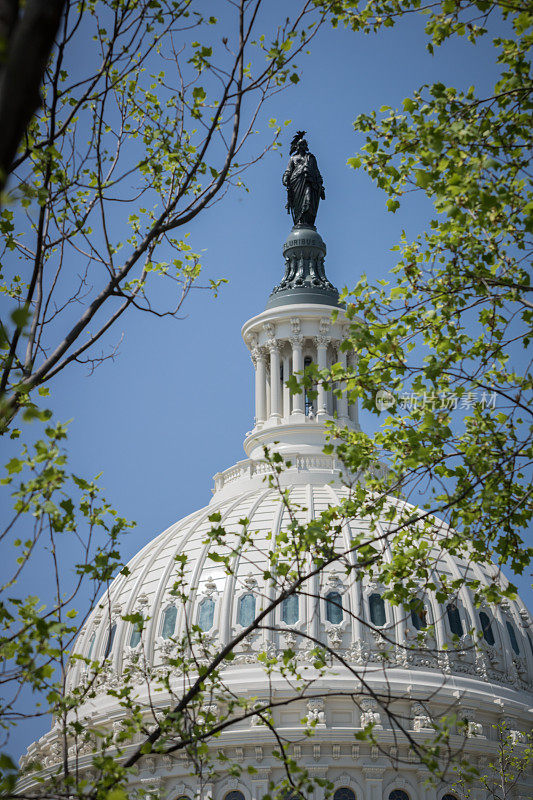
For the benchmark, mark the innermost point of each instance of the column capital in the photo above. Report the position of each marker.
(324, 332)
(344, 325)
(270, 330)
(258, 354)
(297, 340)
(318, 772)
(262, 774)
(272, 341)
(374, 772)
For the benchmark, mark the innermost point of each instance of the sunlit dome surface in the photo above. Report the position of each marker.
(222, 604)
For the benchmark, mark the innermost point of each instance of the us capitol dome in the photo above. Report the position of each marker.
(485, 681)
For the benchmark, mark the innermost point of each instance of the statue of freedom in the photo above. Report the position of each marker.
(304, 183)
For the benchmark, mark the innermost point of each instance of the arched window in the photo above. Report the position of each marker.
(290, 609)
(110, 640)
(234, 795)
(169, 621)
(334, 612)
(344, 793)
(135, 637)
(377, 609)
(91, 645)
(206, 613)
(530, 642)
(246, 610)
(418, 619)
(449, 797)
(486, 627)
(512, 637)
(398, 794)
(456, 626)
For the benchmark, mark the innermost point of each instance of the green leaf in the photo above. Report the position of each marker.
(199, 94)
(423, 178)
(20, 316)
(354, 162)
(14, 465)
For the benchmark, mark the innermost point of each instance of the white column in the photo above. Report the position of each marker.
(285, 389)
(322, 361)
(374, 782)
(342, 401)
(206, 792)
(260, 783)
(356, 596)
(354, 414)
(298, 400)
(267, 392)
(318, 792)
(260, 387)
(426, 792)
(275, 387)
(352, 408)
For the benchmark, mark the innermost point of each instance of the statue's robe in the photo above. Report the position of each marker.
(304, 185)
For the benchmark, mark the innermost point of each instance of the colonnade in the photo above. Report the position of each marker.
(274, 364)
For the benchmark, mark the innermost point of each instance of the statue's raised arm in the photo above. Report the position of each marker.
(303, 181)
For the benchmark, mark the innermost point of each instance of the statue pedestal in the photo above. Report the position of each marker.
(305, 278)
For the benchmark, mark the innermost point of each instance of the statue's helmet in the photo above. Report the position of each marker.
(296, 139)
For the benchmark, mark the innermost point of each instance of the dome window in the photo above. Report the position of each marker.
(91, 646)
(454, 618)
(234, 795)
(486, 627)
(290, 609)
(398, 794)
(418, 619)
(449, 797)
(206, 614)
(334, 612)
(512, 637)
(344, 793)
(110, 640)
(246, 610)
(169, 622)
(135, 637)
(377, 610)
(530, 642)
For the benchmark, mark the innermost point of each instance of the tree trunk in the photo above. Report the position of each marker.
(29, 44)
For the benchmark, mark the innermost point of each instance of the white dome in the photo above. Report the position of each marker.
(377, 649)
(152, 574)
(485, 686)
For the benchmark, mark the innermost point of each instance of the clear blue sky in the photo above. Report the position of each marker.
(174, 406)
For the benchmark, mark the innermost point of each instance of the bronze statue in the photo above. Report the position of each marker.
(304, 183)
